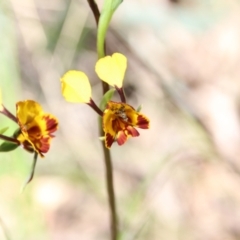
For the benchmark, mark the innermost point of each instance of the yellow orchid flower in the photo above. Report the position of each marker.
(111, 69)
(36, 127)
(119, 120)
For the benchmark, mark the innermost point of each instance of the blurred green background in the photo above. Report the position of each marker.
(180, 179)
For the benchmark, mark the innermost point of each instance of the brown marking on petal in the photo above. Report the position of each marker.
(142, 122)
(28, 146)
(44, 144)
(121, 121)
(51, 123)
(36, 127)
(121, 138)
(40, 142)
(114, 125)
(109, 139)
(118, 125)
(34, 132)
(132, 131)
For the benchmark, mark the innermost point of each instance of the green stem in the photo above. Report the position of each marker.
(101, 40)
(110, 189)
(106, 152)
(109, 7)
(102, 31)
(96, 13)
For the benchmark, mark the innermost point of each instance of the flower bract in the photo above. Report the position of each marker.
(119, 122)
(36, 127)
(76, 87)
(111, 69)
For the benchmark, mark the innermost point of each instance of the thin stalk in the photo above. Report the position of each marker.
(106, 152)
(9, 139)
(8, 114)
(93, 105)
(121, 94)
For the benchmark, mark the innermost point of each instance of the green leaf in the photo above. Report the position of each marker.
(106, 98)
(3, 130)
(8, 146)
(109, 7)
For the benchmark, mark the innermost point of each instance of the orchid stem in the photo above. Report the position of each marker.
(96, 13)
(106, 152)
(110, 189)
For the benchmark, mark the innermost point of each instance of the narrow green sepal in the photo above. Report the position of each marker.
(102, 138)
(139, 108)
(16, 132)
(31, 175)
(8, 146)
(3, 130)
(106, 98)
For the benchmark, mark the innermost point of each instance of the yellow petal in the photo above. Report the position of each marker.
(111, 69)
(110, 132)
(27, 111)
(76, 87)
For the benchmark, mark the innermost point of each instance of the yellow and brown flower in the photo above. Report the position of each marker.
(36, 127)
(119, 120)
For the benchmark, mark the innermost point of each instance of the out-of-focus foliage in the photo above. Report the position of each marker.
(180, 179)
